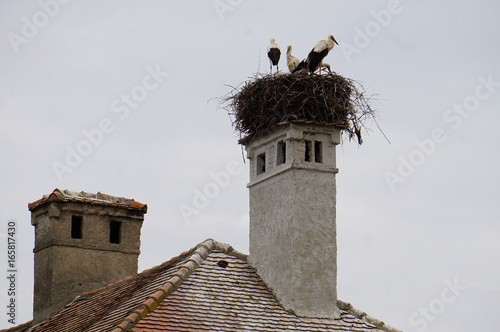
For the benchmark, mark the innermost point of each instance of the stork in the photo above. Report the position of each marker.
(319, 52)
(291, 61)
(273, 52)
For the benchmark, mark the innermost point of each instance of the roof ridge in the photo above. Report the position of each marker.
(365, 317)
(227, 249)
(196, 256)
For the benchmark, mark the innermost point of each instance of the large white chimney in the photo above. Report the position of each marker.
(292, 215)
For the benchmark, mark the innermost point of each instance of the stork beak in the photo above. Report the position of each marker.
(333, 38)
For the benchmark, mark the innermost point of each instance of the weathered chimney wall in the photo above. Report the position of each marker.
(65, 266)
(292, 216)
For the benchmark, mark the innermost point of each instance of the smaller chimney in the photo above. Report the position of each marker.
(83, 242)
(293, 242)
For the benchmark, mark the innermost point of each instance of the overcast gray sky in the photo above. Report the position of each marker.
(115, 97)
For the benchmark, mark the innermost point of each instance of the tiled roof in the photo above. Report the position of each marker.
(210, 288)
(84, 197)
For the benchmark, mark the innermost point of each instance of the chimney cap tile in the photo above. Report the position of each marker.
(84, 197)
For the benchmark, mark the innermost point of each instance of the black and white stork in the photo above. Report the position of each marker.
(273, 52)
(319, 52)
(291, 61)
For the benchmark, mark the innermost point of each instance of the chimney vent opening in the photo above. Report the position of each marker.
(261, 163)
(281, 151)
(313, 151)
(76, 227)
(318, 155)
(114, 232)
(308, 151)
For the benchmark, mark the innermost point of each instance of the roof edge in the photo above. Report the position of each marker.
(20, 327)
(364, 316)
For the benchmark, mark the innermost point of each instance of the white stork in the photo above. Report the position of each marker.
(273, 52)
(291, 61)
(319, 52)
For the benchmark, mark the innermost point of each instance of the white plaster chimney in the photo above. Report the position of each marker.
(292, 215)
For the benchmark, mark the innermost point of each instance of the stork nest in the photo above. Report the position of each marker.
(266, 100)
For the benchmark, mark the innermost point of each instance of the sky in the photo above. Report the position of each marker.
(121, 97)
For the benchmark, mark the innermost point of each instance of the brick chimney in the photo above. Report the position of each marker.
(83, 242)
(293, 242)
